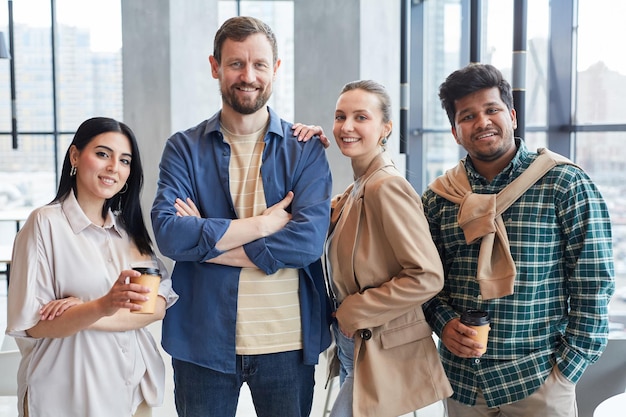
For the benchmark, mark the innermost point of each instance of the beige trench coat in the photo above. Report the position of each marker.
(388, 267)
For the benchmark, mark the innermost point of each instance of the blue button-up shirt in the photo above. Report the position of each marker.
(195, 163)
(560, 239)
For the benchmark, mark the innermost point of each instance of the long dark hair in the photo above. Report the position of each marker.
(129, 202)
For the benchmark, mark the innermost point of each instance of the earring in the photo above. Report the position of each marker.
(118, 210)
(383, 142)
(73, 171)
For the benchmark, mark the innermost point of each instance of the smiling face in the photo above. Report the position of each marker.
(102, 168)
(245, 73)
(484, 126)
(359, 127)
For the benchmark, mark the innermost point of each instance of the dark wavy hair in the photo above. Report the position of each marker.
(470, 79)
(129, 202)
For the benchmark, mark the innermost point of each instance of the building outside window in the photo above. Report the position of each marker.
(59, 84)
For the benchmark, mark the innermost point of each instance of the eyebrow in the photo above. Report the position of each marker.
(357, 111)
(484, 106)
(111, 150)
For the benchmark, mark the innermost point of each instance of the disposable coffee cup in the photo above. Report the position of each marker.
(151, 278)
(480, 321)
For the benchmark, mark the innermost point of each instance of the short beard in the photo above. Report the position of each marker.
(245, 107)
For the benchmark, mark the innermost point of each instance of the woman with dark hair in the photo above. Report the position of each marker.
(70, 300)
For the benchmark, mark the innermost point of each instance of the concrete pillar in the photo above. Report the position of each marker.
(167, 76)
(337, 42)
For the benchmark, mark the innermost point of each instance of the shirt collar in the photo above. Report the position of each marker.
(275, 123)
(79, 221)
(519, 159)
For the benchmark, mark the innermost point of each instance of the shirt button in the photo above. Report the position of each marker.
(366, 334)
(476, 361)
(479, 297)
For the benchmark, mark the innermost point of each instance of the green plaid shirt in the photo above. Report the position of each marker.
(560, 238)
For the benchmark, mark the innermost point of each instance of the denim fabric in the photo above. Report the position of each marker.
(279, 383)
(200, 327)
(345, 352)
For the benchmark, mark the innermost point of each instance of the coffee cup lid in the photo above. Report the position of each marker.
(475, 318)
(148, 271)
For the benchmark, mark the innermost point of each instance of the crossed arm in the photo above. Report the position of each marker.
(246, 230)
(242, 231)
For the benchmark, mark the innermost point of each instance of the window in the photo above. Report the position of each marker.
(52, 100)
(600, 141)
(589, 126)
(442, 55)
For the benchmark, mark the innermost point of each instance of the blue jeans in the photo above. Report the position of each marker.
(280, 384)
(345, 352)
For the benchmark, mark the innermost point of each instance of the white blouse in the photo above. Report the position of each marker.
(60, 253)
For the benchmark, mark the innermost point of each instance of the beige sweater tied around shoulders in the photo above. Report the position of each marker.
(480, 217)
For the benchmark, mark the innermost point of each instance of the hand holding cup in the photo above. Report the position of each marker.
(479, 321)
(150, 278)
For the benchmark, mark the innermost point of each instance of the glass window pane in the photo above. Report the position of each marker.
(27, 180)
(601, 63)
(5, 94)
(538, 29)
(27, 174)
(27, 177)
(536, 140)
(497, 48)
(607, 169)
(498, 21)
(442, 55)
(89, 61)
(89, 81)
(443, 154)
(33, 65)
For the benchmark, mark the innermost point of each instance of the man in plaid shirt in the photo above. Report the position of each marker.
(555, 323)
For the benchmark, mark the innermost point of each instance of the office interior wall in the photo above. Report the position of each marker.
(167, 76)
(338, 42)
